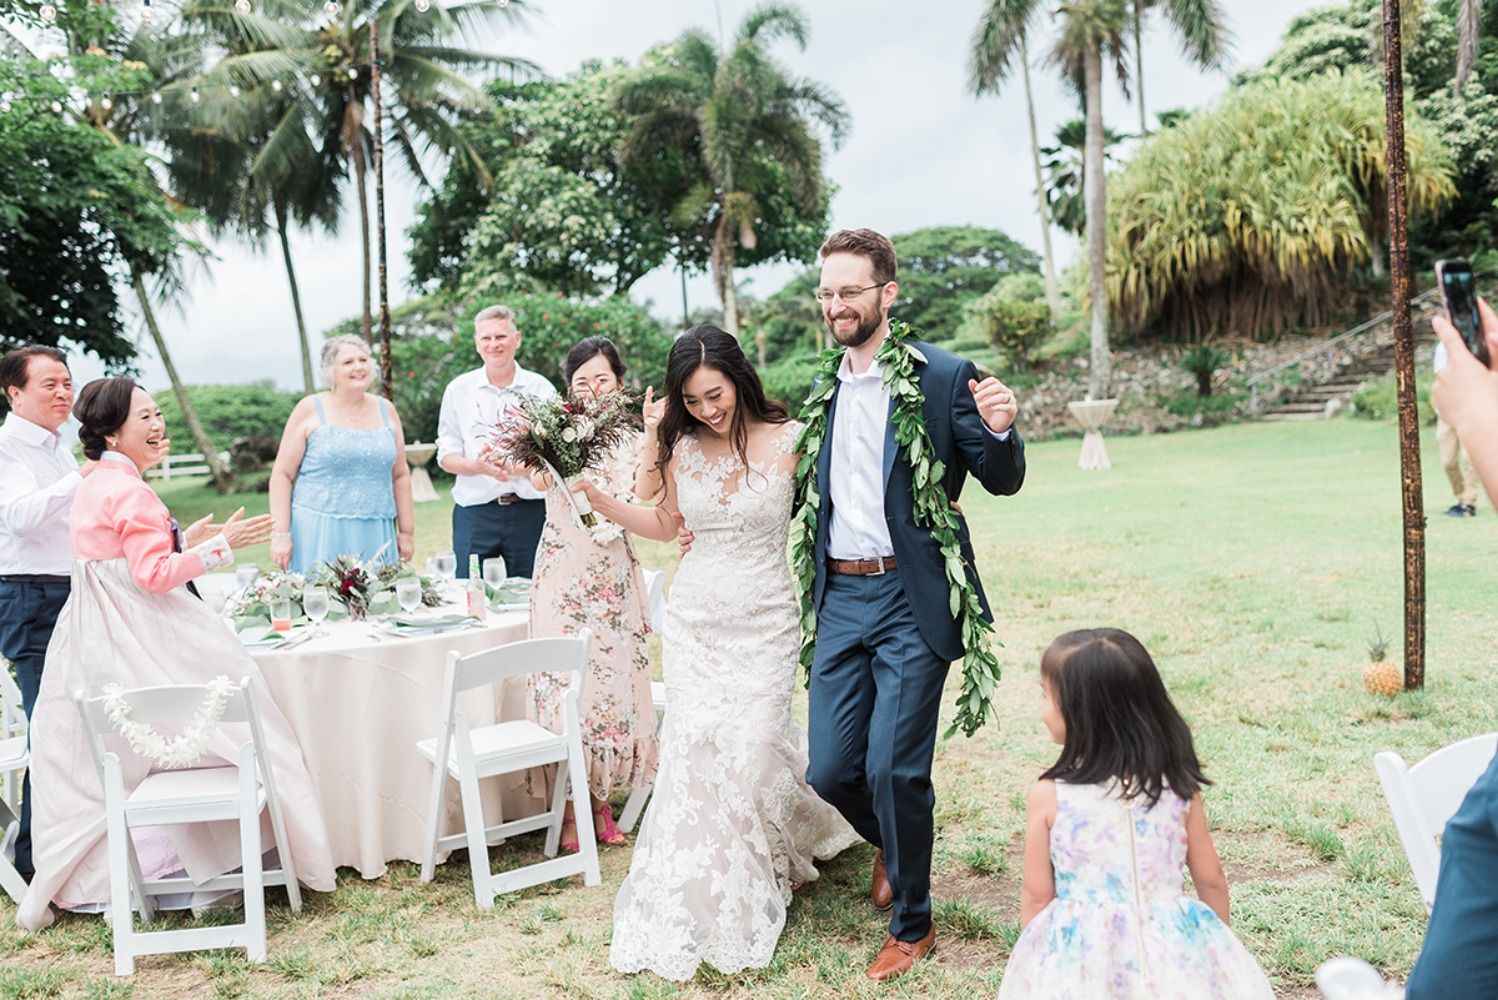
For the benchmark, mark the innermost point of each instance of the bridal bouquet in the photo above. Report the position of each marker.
(359, 590)
(567, 435)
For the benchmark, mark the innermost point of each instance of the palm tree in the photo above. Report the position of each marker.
(1064, 168)
(744, 120)
(1468, 32)
(1198, 22)
(1092, 31)
(984, 78)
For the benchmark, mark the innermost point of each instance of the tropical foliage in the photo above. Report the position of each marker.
(1246, 218)
(750, 129)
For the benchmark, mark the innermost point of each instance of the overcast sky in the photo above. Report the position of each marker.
(921, 152)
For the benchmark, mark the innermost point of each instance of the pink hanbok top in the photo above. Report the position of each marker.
(116, 515)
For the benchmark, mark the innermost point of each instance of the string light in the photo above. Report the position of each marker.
(233, 90)
(156, 97)
(353, 72)
(243, 6)
(147, 12)
(332, 8)
(5, 103)
(423, 5)
(194, 97)
(106, 103)
(48, 12)
(316, 80)
(57, 107)
(275, 85)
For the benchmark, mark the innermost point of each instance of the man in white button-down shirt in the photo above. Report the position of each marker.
(496, 510)
(36, 496)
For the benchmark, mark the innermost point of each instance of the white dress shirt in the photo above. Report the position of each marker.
(855, 472)
(473, 409)
(36, 494)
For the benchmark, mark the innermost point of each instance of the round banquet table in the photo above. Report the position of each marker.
(359, 700)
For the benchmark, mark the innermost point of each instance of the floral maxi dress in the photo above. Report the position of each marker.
(589, 578)
(1120, 925)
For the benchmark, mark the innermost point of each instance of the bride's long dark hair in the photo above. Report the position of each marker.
(710, 347)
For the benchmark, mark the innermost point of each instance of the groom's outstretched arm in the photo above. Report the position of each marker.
(993, 453)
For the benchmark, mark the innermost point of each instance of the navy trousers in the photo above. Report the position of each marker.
(510, 531)
(874, 705)
(1459, 960)
(28, 613)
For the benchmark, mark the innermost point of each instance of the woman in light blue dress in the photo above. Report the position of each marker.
(341, 485)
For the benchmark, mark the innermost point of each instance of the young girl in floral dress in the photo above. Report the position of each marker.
(589, 578)
(1109, 827)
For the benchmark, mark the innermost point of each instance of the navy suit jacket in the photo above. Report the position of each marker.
(964, 445)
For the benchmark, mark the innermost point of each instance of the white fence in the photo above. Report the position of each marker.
(177, 466)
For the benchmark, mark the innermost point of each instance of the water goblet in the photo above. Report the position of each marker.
(494, 572)
(246, 574)
(447, 568)
(408, 593)
(315, 605)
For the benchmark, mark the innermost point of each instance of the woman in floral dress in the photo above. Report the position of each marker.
(589, 578)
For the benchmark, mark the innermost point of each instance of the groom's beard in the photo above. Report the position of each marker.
(866, 328)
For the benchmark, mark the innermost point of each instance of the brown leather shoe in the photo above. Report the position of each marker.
(881, 894)
(897, 957)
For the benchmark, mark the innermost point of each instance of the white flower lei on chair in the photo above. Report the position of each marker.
(180, 750)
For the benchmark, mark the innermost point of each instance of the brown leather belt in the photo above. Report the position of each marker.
(507, 499)
(861, 567)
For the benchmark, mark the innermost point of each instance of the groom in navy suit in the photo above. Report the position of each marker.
(885, 632)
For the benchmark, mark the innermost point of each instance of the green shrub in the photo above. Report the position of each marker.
(1378, 400)
(1203, 362)
(229, 411)
(1016, 329)
(790, 380)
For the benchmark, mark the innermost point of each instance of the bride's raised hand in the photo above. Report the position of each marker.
(651, 411)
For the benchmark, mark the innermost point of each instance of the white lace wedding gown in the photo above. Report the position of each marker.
(732, 824)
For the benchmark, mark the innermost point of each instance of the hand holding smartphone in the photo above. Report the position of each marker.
(1459, 296)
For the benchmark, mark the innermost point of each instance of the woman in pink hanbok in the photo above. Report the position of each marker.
(132, 621)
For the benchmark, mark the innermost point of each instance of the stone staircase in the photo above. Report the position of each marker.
(1323, 398)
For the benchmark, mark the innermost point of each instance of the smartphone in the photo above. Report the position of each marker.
(1459, 296)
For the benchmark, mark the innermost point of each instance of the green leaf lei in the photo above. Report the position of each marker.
(933, 511)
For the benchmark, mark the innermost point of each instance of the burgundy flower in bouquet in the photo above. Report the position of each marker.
(567, 435)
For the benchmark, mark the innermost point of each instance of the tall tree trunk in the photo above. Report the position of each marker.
(223, 479)
(387, 374)
(366, 325)
(1095, 193)
(1139, 64)
(723, 272)
(308, 385)
(1468, 27)
(1404, 358)
(1052, 294)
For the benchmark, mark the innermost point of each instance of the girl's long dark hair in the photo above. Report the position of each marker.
(708, 346)
(1120, 722)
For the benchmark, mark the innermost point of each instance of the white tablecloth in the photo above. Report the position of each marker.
(359, 706)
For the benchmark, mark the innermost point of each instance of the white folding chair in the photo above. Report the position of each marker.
(13, 760)
(191, 795)
(469, 753)
(655, 598)
(635, 804)
(1424, 797)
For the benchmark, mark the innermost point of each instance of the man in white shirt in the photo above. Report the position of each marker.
(496, 510)
(36, 496)
(1454, 459)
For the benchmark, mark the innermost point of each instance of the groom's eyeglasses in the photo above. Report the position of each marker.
(825, 295)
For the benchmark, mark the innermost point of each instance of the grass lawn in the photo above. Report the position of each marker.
(1253, 561)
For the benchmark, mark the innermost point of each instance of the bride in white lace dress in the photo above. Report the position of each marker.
(732, 827)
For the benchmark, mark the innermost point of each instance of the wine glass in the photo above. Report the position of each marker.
(446, 567)
(494, 573)
(408, 593)
(280, 614)
(315, 606)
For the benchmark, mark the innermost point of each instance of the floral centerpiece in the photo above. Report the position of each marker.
(355, 590)
(566, 435)
(360, 590)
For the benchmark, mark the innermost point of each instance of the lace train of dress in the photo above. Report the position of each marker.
(732, 823)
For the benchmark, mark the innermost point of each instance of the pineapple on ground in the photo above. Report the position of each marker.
(1380, 676)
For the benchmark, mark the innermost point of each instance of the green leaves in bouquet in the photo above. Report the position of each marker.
(570, 433)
